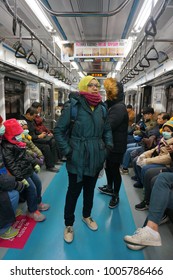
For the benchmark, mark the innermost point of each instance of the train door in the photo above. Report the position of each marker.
(169, 94)
(14, 97)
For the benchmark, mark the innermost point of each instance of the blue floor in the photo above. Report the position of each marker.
(46, 241)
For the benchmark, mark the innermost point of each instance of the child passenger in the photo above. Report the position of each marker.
(24, 168)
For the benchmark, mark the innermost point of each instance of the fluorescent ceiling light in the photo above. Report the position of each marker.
(74, 64)
(144, 15)
(40, 14)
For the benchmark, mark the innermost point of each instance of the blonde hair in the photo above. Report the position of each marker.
(111, 88)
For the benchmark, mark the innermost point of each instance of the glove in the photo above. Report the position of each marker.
(41, 159)
(19, 186)
(25, 182)
(37, 168)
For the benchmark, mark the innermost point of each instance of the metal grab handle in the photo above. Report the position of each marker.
(149, 52)
(40, 64)
(138, 67)
(144, 62)
(31, 59)
(20, 51)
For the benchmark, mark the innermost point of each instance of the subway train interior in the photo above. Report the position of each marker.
(46, 47)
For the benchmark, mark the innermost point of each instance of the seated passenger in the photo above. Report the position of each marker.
(151, 131)
(149, 179)
(44, 142)
(39, 126)
(31, 149)
(131, 114)
(161, 199)
(9, 197)
(24, 168)
(157, 157)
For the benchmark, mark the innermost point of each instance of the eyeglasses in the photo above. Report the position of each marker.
(94, 85)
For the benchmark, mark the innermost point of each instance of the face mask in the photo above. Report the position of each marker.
(19, 138)
(2, 130)
(166, 135)
(26, 131)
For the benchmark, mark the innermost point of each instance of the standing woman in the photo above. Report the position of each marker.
(84, 147)
(118, 118)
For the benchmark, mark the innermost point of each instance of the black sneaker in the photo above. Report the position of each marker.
(134, 178)
(114, 202)
(144, 205)
(105, 190)
(138, 185)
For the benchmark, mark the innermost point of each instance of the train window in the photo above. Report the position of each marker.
(14, 97)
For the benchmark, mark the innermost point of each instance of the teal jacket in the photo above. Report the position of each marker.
(85, 147)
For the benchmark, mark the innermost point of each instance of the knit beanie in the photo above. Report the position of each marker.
(1, 119)
(169, 124)
(84, 83)
(12, 129)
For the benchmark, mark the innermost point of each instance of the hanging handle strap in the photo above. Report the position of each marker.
(20, 51)
(153, 30)
(31, 58)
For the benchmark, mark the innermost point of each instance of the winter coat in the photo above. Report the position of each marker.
(159, 155)
(39, 126)
(91, 133)
(7, 183)
(131, 115)
(17, 162)
(118, 118)
(31, 148)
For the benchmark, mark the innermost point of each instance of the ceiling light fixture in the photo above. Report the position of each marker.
(143, 15)
(40, 14)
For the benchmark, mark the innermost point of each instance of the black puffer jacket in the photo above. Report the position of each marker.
(118, 119)
(16, 160)
(7, 183)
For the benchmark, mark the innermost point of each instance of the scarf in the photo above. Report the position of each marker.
(92, 99)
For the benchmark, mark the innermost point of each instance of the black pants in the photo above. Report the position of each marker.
(113, 176)
(73, 192)
(49, 151)
(48, 157)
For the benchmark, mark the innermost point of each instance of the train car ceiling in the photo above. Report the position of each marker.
(91, 21)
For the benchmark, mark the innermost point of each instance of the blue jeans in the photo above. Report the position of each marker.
(127, 158)
(161, 197)
(14, 199)
(140, 172)
(33, 192)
